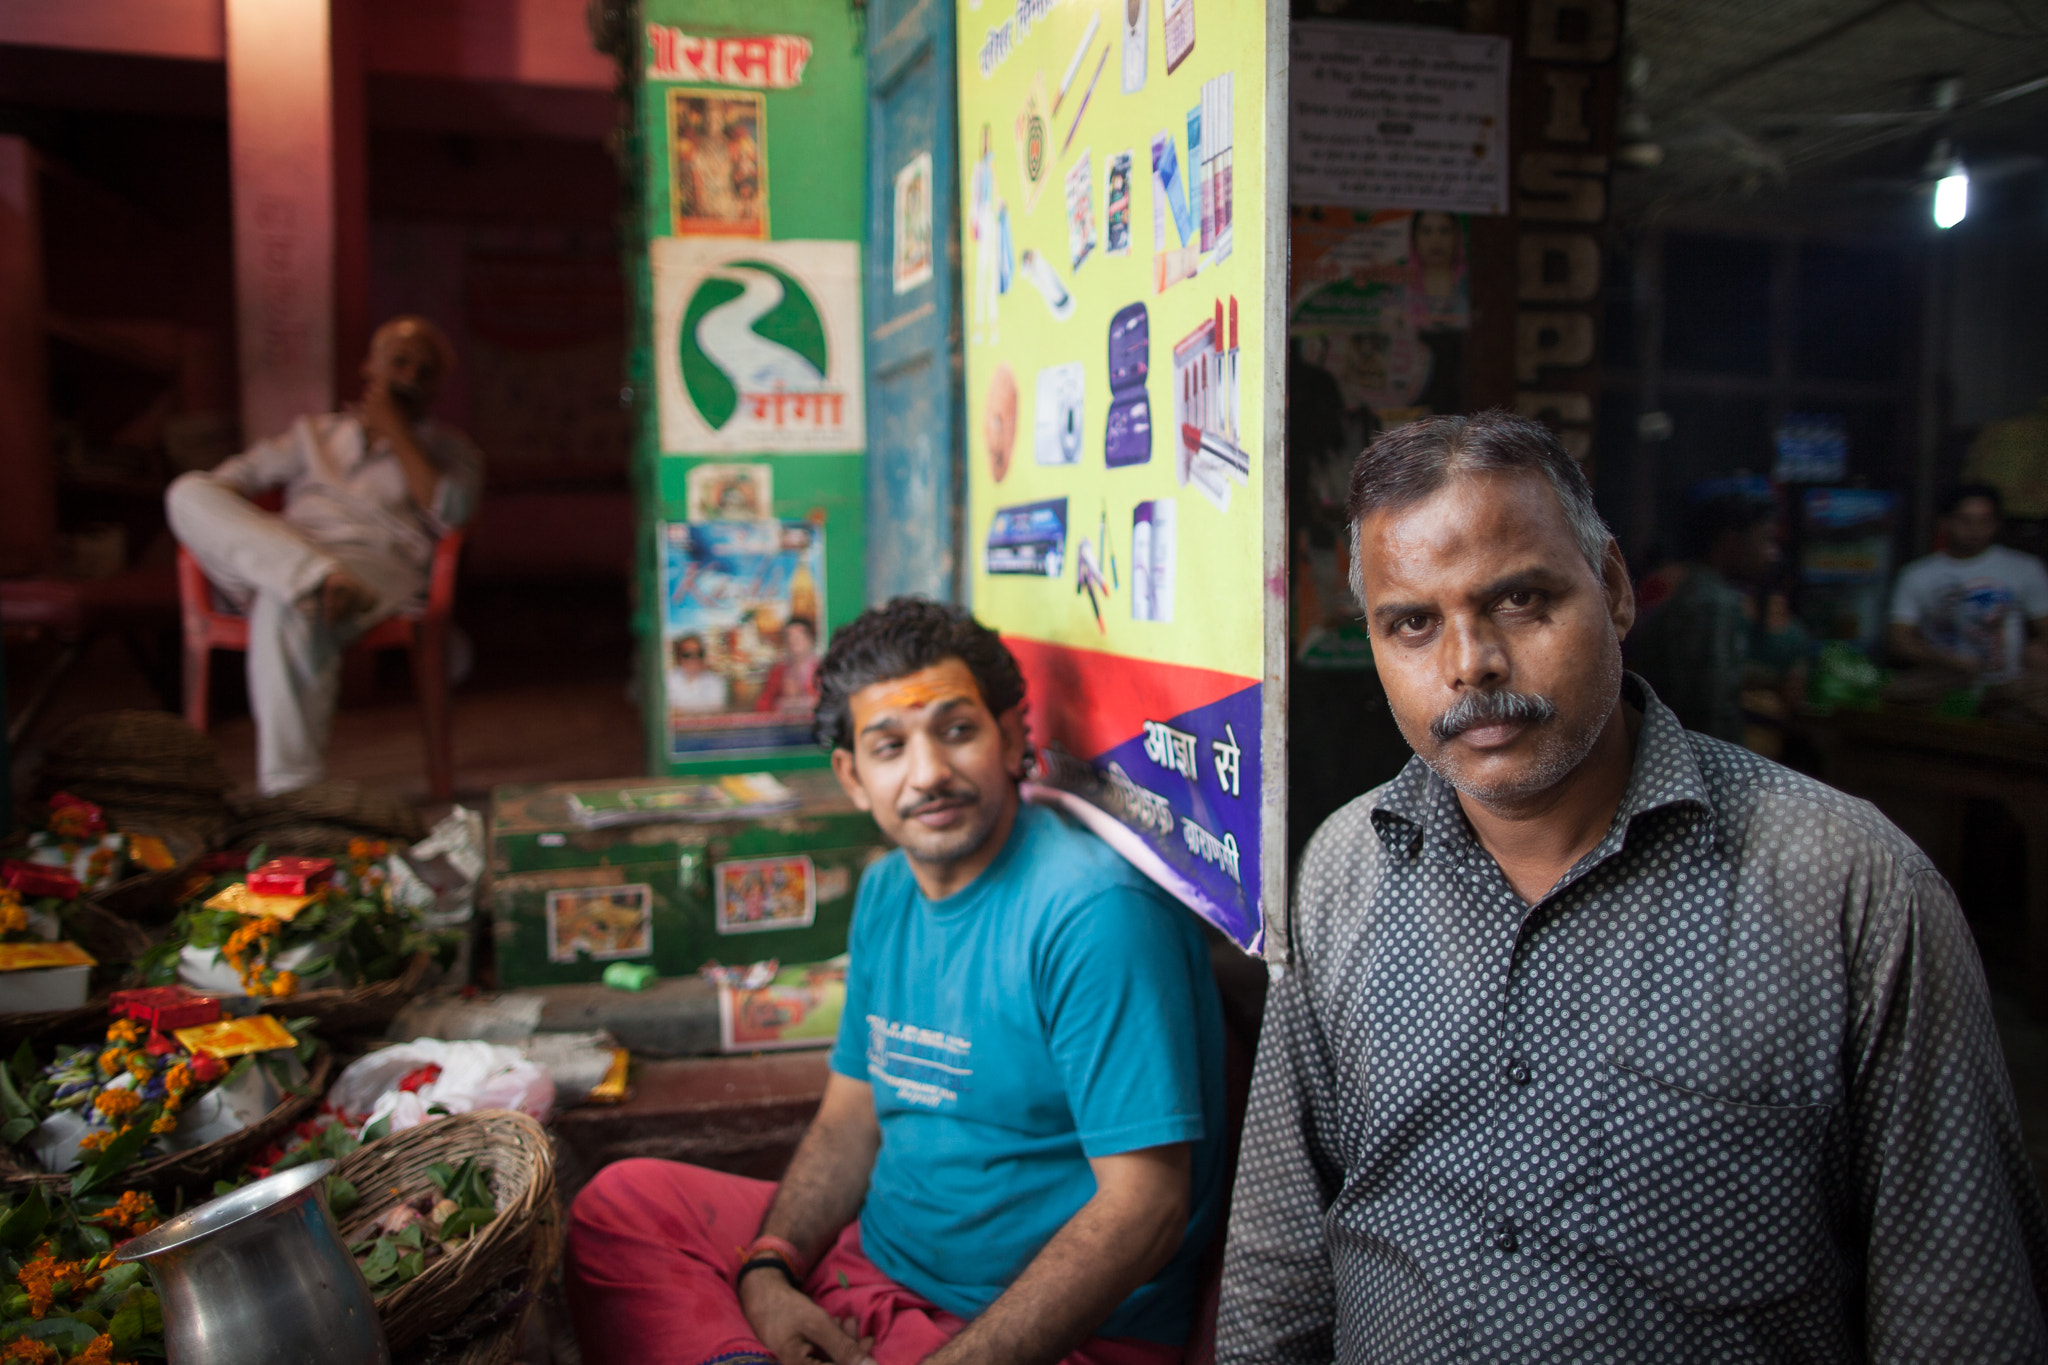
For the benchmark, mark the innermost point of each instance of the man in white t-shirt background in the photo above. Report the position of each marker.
(1974, 613)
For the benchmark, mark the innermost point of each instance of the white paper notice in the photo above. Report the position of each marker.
(1399, 118)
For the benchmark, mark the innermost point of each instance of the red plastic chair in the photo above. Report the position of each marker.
(422, 632)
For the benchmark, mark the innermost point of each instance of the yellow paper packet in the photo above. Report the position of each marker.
(612, 1089)
(233, 1037)
(19, 957)
(152, 852)
(240, 899)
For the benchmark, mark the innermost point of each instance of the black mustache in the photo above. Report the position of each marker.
(1491, 708)
(947, 796)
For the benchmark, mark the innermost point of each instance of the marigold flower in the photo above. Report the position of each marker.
(164, 1123)
(33, 1352)
(136, 1212)
(124, 1031)
(287, 983)
(40, 1277)
(113, 1059)
(93, 1142)
(117, 1103)
(178, 1079)
(101, 1352)
(13, 915)
(139, 1067)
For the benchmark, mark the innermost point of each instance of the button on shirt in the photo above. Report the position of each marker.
(1729, 1092)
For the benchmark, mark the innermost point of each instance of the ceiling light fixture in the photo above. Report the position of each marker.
(1952, 194)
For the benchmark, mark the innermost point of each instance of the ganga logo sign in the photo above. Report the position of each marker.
(760, 345)
(750, 330)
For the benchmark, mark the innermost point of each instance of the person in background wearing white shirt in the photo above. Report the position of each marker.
(1974, 613)
(367, 493)
(693, 686)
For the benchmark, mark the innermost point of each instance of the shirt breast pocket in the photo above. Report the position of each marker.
(1715, 1204)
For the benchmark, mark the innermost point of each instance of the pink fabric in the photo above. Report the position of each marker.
(654, 1246)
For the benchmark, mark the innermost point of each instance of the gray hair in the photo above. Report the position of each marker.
(1409, 463)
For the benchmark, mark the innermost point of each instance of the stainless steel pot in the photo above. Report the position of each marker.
(261, 1277)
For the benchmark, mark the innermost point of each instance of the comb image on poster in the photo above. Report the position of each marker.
(1134, 587)
(717, 163)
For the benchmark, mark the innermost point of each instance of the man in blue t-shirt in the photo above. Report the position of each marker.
(1019, 1152)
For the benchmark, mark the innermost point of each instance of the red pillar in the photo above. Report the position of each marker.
(28, 472)
(295, 137)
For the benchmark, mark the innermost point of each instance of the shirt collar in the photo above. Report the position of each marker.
(1418, 806)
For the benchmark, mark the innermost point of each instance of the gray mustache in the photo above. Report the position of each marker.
(1491, 708)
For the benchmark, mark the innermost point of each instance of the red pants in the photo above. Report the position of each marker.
(654, 1246)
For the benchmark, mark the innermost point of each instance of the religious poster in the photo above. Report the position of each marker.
(731, 492)
(913, 224)
(1126, 558)
(755, 895)
(743, 607)
(798, 1007)
(717, 163)
(1413, 118)
(1376, 326)
(757, 346)
(603, 923)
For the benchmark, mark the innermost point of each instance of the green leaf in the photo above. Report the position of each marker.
(442, 1174)
(141, 1317)
(14, 1130)
(462, 1222)
(117, 1155)
(24, 1064)
(382, 1262)
(238, 1070)
(12, 1105)
(341, 1195)
(221, 1187)
(121, 1277)
(258, 856)
(90, 1319)
(381, 1128)
(25, 1221)
(68, 1335)
(409, 1266)
(97, 1239)
(410, 1236)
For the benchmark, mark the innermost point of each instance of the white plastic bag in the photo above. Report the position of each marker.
(473, 1076)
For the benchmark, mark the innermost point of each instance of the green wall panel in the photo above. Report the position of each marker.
(813, 145)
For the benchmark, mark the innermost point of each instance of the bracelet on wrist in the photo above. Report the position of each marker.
(764, 1245)
(767, 1261)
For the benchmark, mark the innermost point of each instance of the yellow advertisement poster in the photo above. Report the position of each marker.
(1123, 204)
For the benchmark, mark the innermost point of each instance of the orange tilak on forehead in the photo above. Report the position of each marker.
(947, 680)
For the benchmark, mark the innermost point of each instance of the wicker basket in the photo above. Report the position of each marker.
(116, 942)
(337, 1012)
(200, 1166)
(515, 1151)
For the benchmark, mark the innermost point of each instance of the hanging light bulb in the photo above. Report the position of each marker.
(1952, 194)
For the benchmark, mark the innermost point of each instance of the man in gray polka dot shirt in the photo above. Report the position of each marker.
(1602, 1040)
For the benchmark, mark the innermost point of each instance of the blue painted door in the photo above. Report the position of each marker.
(915, 484)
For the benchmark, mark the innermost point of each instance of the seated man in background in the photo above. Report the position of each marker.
(1694, 649)
(1018, 1156)
(367, 493)
(1974, 613)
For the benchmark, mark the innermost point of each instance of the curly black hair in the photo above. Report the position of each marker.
(909, 634)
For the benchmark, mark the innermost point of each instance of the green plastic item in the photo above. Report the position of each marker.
(1844, 676)
(630, 976)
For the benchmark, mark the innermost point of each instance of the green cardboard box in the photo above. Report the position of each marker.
(567, 901)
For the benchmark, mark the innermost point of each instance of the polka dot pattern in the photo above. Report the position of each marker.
(1729, 1093)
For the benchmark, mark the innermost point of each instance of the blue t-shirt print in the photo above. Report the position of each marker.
(1058, 1009)
(920, 1066)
